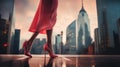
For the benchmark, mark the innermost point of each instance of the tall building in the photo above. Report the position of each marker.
(104, 44)
(97, 41)
(108, 14)
(15, 48)
(111, 12)
(6, 11)
(11, 33)
(83, 38)
(3, 35)
(58, 42)
(71, 37)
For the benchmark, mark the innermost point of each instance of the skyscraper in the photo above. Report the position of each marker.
(108, 14)
(15, 47)
(104, 36)
(83, 38)
(97, 40)
(3, 35)
(6, 11)
(71, 37)
(58, 44)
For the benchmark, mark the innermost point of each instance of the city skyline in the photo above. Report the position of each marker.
(68, 11)
(107, 34)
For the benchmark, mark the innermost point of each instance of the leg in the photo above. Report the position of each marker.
(48, 46)
(32, 38)
(49, 37)
(27, 44)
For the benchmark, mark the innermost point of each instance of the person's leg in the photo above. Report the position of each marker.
(27, 44)
(49, 44)
(32, 38)
(49, 38)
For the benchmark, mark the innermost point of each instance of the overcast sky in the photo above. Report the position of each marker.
(68, 11)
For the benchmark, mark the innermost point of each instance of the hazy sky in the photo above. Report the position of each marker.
(68, 11)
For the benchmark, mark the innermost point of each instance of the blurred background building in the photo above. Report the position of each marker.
(15, 47)
(97, 41)
(83, 38)
(71, 38)
(108, 22)
(6, 26)
(58, 40)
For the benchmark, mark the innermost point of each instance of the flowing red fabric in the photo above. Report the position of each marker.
(45, 17)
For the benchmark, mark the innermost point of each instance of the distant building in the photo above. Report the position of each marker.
(15, 48)
(37, 46)
(71, 38)
(58, 44)
(104, 34)
(6, 11)
(78, 36)
(83, 38)
(97, 41)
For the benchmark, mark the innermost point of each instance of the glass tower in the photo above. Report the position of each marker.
(83, 38)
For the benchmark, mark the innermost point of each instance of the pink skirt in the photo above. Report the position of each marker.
(45, 17)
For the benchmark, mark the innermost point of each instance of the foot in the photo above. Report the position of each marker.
(26, 48)
(51, 54)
